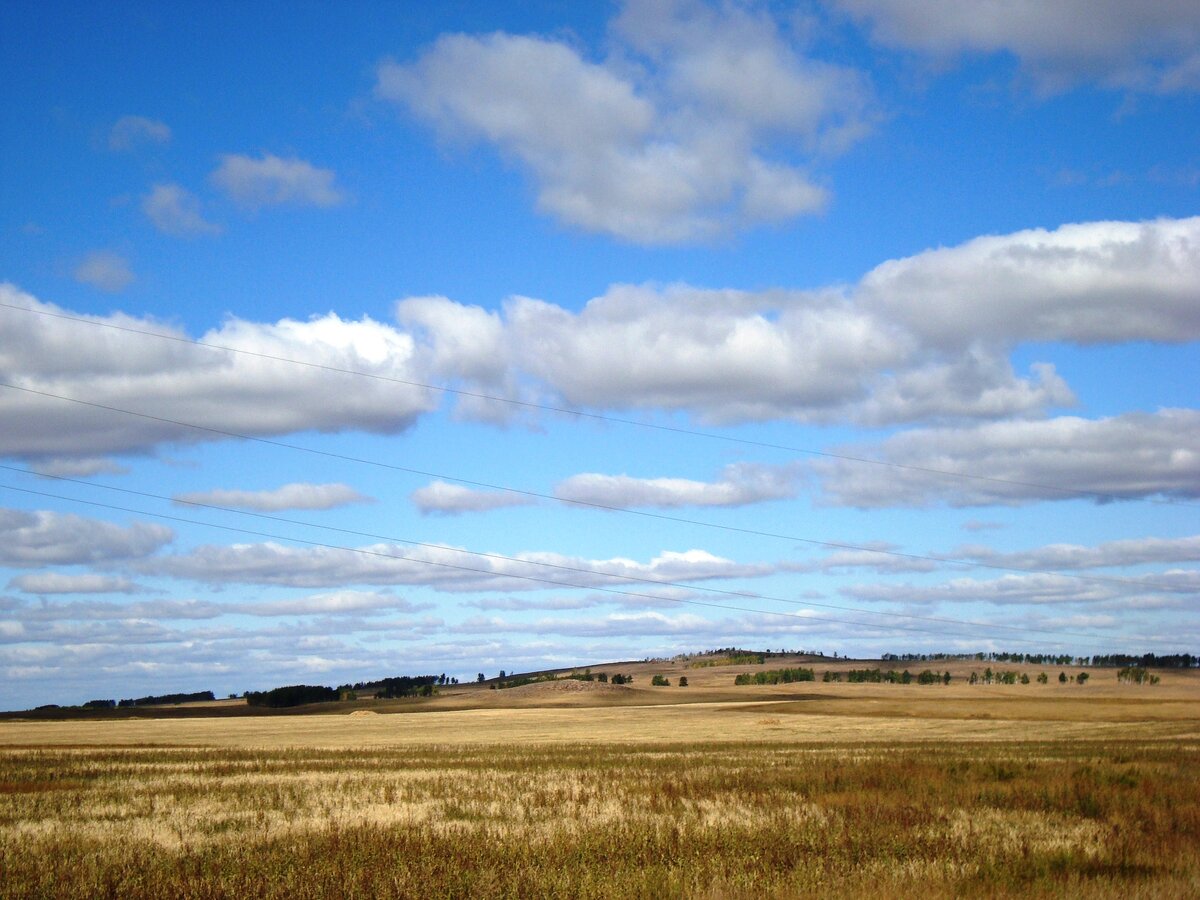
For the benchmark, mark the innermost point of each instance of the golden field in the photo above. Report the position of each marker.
(586, 789)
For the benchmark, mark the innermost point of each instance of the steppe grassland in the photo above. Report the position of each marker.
(955, 793)
(714, 819)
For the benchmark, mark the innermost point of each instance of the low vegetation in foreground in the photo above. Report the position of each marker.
(711, 820)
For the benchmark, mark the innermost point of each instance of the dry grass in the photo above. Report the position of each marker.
(784, 791)
(717, 820)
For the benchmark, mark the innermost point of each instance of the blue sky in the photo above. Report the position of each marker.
(883, 316)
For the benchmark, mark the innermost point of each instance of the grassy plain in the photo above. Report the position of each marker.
(579, 790)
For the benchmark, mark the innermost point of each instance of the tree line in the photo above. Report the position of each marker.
(1145, 660)
(891, 676)
(776, 676)
(154, 700)
(163, 699)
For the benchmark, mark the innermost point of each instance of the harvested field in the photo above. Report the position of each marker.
(576, 789)
(743, 819)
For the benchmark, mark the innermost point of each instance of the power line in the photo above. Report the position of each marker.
(599, 417)
(834, 545)
(530, 578)
(558, 566)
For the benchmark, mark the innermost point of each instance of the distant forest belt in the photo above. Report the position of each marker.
(1085, 818)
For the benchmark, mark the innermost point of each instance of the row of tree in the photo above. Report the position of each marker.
(385, 689)
(776, 676)
(163, 699)
(292, 695)
(382, 683)
(877, 676)
(154, 700)
(664, 681)
(1136, 675)
(990, 677)
(1146, 660)
(407, 686)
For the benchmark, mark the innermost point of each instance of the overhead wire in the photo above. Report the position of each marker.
(640, 579)
(491, 573)
(951, 561)
(1103, 496)
(833, 545)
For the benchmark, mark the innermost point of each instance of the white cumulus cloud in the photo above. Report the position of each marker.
(105, 270)
(1150, 45)
(129, 131)
(1134, 455)
(59, 583)
(176, 381)
(739, 484)
(44, 538)
(274, 181)
(673, 138)
(288, 496)
(445, 569)
(453, 499)
(175, 210)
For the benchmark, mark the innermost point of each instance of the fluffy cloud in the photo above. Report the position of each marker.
(129, 131)
(669, 140)
(615, 624)
(445, 569)
(1092, 283)
(521, 604)
(289, 496)
(106, 271)
(877, 555)
(106, 610)
(80, 467)
(1124, 553)
(1033, 589)
(335, 603)
(58, 583)
(923, 339)
(697, 629)
(453, 499)
(1131, 456)
(730, 356)
(274, 181)
(739, 484)
(42, 538)
(176, 211)
(177, 381)
(1151, 45)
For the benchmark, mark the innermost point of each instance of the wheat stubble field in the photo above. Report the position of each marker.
(577, 790)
